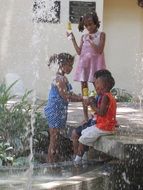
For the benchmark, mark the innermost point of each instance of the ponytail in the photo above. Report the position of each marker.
(84, 18)
(60, 59)
(81, 24)
(53, 59)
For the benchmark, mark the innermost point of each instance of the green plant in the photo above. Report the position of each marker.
(121, 95)
(14, 119)
(6, 155)
(41, 135)
(15, 124)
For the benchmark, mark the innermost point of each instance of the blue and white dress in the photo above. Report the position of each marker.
(56, 108)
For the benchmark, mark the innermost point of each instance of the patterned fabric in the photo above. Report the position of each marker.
(108, 121)
(90, 122)
(89, 61)
(56, 108)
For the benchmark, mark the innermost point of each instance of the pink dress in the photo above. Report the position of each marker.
(89, 61)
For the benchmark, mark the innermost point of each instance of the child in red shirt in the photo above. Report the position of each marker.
(105, 115)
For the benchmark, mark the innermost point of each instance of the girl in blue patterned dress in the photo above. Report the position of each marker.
(57, 105)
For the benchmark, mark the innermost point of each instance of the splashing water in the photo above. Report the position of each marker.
(139, 79)
(45, 11)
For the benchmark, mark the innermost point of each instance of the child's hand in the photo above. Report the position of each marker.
(90, 40)
(90, 37)
(91, 99)
(86, 102)
(70, 35)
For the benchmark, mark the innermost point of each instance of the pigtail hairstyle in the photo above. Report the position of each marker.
(95, 19)
(60, 59)
(83, 19)
(81, 24)
(52, 59)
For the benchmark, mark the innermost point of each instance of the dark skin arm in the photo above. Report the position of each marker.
(77, 48)
(62, 86)
(102, 110)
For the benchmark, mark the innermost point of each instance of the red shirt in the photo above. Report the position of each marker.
(108, 121)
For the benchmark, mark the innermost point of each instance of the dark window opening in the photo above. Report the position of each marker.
(79, 8)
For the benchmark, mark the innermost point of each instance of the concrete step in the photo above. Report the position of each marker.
(121, 147)
(92, 180)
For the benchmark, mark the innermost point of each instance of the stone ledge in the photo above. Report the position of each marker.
(121, 147)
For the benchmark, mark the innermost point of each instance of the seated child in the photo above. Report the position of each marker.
(105, 115)
(76, 133)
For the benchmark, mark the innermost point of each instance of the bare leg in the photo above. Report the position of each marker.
(81, 149)
(53, 149)
(78, 158)
(75, 138)
(85, 108)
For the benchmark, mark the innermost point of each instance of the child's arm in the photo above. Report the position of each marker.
(62, 87)
(93, 104)
(74, 97)
(102, 110)
(100, 47)
(77, 48)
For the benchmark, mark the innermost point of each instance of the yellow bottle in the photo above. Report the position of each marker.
(85, 92)
(69, 27)
(69, 30)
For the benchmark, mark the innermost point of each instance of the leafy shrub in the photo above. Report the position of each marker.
(6, 156)
(121, 95)
(15, 124)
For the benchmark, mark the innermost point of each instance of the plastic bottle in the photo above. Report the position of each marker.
(92, 93)
(69, 30)
(93, 100)
(85, 92)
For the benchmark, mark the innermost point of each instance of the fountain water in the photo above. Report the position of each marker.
(24, 177)
(43, 176)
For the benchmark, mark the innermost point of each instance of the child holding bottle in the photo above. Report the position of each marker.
(90, 51)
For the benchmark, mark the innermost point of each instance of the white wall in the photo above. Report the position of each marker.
(123, 24)
(25, 46)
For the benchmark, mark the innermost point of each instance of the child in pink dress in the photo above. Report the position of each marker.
(90, 51)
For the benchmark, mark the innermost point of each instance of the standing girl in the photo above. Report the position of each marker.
(57, 105)
(90, 51)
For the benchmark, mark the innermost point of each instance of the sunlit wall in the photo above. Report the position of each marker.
(123, 23)
(25, 47)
